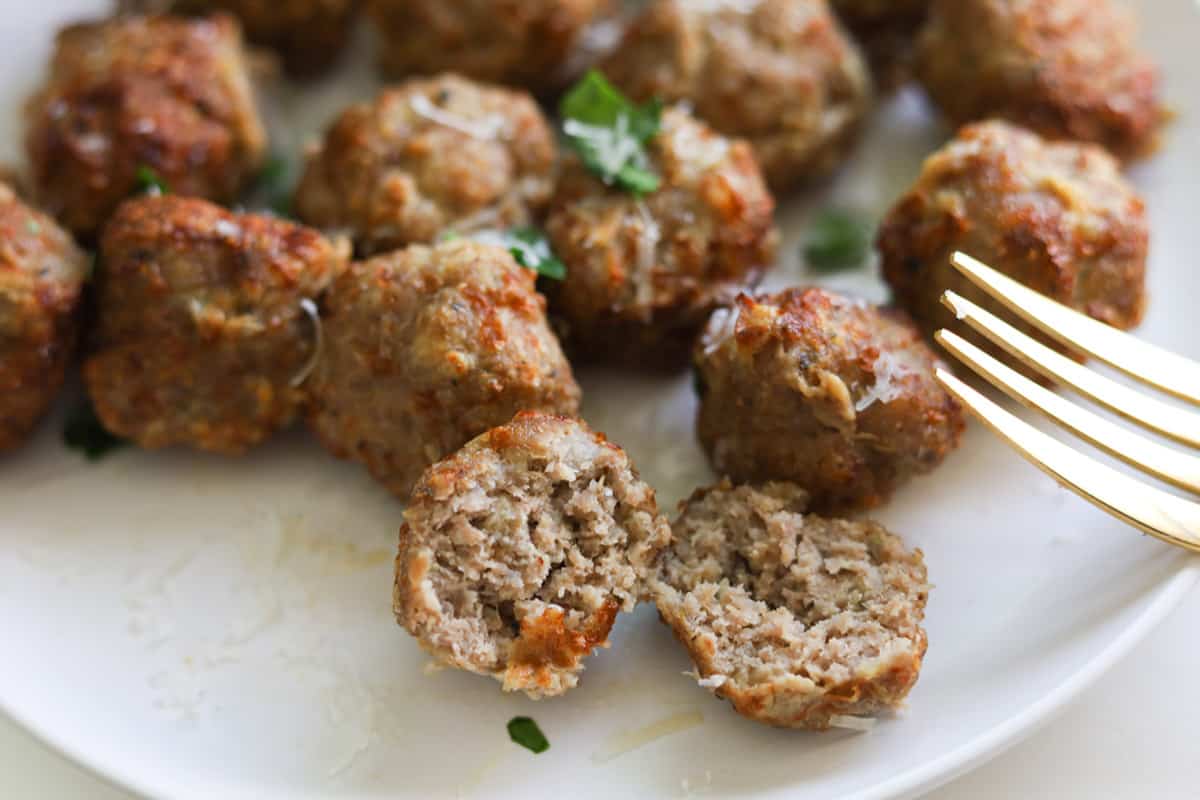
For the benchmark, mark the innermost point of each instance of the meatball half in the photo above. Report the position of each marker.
(1069, 69)
(428, 347)
(205, 323)
(1058, 217)
(887, 30)
(519, 42)
(518, 552)
(827, 392)
(780, 73)
(643, 274)
(428, 156)
(42, 272)
(799, 621)
(136, 93)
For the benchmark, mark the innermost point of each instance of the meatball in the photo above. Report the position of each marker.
(136, 93)
(643, 274)
(519, 42)
(887, 30)
(205, 326)
(1068, 69)
(308, 34)
(780, 73)
(518, 552)
(799, 621)
(428, 347)
(41, 277)
(827, 392)
(1058, 217)
(428, 156)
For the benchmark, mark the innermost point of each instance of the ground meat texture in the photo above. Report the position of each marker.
(201, 335)
(827, 392)
(797, 620)
(518, 552)
(780, 73)
(41, 276)
(1058, 217)
(643, 274)
(428, 156)
(887, 30)
(1067, 69)
(162, 93)
(429, 347)
(519, 42)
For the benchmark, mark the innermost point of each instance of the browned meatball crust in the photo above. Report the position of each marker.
(518, 552)
(427, 156)
(798, 621)
(1068, 69)
(520, 42)
(426, 348)
(1058, 217)
(887, 30)
(643, 274)
(827, 392)
(780, 73)
(41, 277)
(201, 336)
(162, 93)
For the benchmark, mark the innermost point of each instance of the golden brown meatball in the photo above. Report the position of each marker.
(1067, 69)
(1058, 217)
(643, 274)
(41, 276)
(518, 552)
(519, 42)
(166, 94)
(827, 392)
(780, 73)
(887, 30)
(202, 337)
(427, 156)
(426, 348)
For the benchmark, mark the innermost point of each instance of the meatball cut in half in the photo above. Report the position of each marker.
(780, 73)
(428, 347)
(137, 94)
(644, 273)
(1058, 217)
(520, 42)
(827, 392)
(41, 278)
(797, 620)
(1068, 69)
(205, 323)
(428, 156)
(887, 30)
(518, 552)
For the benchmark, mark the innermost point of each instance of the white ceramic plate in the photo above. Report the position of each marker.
(191, 626)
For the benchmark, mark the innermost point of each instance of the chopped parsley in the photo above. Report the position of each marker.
(149, 182)
(837, 240)
(84, 432)
(525, 732)
(530, 248)
(610, 133)
(272, 189)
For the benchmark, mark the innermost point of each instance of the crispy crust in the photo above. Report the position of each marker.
(1068, 69)
(199, 327)
(41, 279)
(169, 94)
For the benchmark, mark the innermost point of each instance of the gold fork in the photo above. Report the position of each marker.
(1158, 513)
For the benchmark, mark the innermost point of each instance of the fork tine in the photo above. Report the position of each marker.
(1172, 466)
(1160, 368)
(1178, 423)
(1162, 515)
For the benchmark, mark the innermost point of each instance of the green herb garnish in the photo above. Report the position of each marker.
(525, 732)
(85, 433)
(531, 249)
(272, 189)
(149, 182)
(837, 240)
(610, 133)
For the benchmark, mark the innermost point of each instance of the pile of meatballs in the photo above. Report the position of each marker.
(386, 317)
